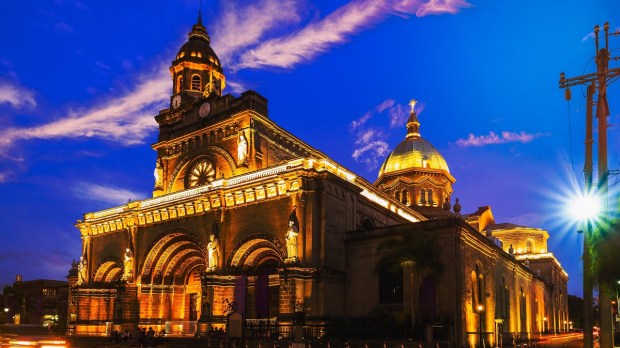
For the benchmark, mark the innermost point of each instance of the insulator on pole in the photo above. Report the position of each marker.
(567, 94)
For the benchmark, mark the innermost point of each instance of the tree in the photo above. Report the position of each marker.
(575, 310)
(417, 253)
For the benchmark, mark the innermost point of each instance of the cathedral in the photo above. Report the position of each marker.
(246, 218)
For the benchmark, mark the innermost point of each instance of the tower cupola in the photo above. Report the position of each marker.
(196, 70)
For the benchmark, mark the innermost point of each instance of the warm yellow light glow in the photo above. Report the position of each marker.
(480, 308)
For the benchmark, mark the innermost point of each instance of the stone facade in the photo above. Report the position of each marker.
(229, 186)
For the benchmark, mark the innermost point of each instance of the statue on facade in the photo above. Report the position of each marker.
(213, 253)
(291, 241)
(159, 175)
(82, 271)
(128, 265)
(242, 149)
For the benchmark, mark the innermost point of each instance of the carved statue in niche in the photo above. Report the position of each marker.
(291, 238)
(128, 265)
(242, 149)
(213, 254)
(159, 175)
(82, 271)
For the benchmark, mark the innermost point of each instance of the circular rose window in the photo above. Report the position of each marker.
(201, 173)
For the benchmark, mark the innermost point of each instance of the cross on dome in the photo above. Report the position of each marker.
(412, 103)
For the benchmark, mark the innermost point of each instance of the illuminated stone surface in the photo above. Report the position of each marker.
(341, 219)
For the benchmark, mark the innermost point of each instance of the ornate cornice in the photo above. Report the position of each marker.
(271, 183)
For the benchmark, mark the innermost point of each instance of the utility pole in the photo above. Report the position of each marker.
(599, 81)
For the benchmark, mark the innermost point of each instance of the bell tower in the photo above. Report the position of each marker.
(196, 70)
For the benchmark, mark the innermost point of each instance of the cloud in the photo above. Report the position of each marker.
(360, 121)
(127, 119)
(493, 138)
(234, 31)
(388, 103)
(4, 177)
(398, 115)
(106, 194)
(235, 86)
(240, 43)
(372, 152)
(372, 147)
(336, 28)
(591, 35)
(16, 96)
(436, 7)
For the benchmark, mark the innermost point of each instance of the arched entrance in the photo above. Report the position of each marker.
(169, 282)
(258, 257)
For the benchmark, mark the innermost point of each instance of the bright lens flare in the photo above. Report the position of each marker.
(584, 207)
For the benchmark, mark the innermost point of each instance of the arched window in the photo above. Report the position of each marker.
(529, 246)
(405, 198)
(196, 83)
(480, 288)
(422, 197)
(390, 285)
(179, 84)
(430, 197)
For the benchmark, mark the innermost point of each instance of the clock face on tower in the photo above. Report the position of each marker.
(202, 172)
(176, 101)
(204, 110)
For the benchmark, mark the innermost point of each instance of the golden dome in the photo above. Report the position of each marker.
(414, 152)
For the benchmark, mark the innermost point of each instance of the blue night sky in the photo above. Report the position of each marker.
(80, 83)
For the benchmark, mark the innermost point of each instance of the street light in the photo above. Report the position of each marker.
(585, 207)
(545, 324)
(479, 309)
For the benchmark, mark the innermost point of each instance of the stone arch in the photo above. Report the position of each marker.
(206, 151)
(172, 257)
(109, 270)
(256, 249)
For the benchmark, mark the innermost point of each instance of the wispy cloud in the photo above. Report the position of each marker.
(106, 194)
(235, 86)
(4, 177)
(398, 115)
(16, 95)
(235, 32)
(492, 138)
(336, 28)
(371, 146)
(591, 35)
(360, 121)
(241, 43)
(127, 119)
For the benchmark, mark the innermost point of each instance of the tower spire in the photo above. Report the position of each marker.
(200, 12)
(413, 125)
